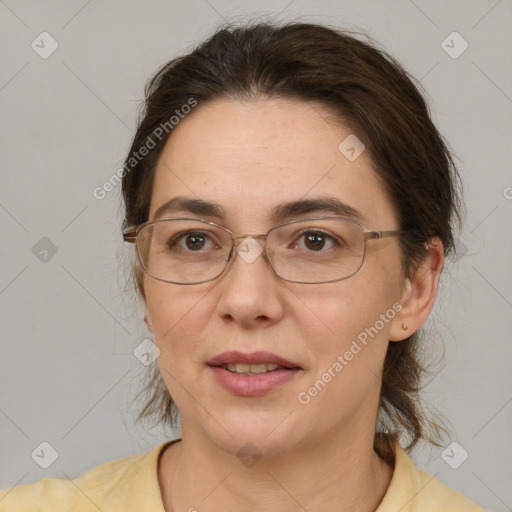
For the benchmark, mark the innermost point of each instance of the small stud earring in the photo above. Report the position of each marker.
(404, 327)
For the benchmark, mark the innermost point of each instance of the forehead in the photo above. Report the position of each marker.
(251, 156)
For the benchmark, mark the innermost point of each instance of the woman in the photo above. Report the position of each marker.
(292, 204)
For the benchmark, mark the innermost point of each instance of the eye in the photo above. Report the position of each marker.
(315, 240)
(195, 241)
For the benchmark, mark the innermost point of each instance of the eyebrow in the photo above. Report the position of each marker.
(280, 212)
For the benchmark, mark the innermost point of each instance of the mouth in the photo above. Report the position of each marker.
(254, 363)
(252, 369)
(254, 374)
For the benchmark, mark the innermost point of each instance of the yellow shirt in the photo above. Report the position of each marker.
(131, 485)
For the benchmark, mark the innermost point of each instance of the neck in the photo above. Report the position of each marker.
(338, 476)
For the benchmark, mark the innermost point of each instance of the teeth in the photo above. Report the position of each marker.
(250, 368)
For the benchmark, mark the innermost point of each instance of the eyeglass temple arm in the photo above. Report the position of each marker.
(129, 234)
(381, 234)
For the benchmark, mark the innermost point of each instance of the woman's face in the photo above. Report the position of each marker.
(249, 157)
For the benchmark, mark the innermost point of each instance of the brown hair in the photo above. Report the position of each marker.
(364, 88)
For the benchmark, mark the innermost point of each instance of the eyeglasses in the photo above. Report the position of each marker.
(309, 251)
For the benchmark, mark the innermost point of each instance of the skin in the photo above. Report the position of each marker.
(318, 455)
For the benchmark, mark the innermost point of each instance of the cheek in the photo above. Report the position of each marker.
(348, 358)
(352, 319)
(176, 314)
(177, 317)
(345, 310)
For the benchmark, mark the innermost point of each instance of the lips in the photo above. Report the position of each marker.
(253, 358)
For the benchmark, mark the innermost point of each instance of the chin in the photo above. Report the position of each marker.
(253, 436)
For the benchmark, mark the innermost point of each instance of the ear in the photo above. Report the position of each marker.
(147, 321)
(419, 293)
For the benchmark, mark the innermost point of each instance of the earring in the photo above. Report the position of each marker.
(149, 325)
(404, 327)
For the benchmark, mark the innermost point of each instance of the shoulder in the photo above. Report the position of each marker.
(432, 492)
(117, 485)
(414, 490)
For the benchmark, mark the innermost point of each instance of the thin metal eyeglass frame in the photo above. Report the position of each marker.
(130, 234)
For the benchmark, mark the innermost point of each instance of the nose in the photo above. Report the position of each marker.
(250, 291)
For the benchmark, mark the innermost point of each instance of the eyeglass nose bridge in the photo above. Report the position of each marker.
(238, 238)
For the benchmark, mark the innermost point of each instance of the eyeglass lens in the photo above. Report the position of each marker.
(189, 251)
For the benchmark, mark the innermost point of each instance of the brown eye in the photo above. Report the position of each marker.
(195, 241)
(316, 241)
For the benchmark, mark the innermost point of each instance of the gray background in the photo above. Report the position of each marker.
(68, 371)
